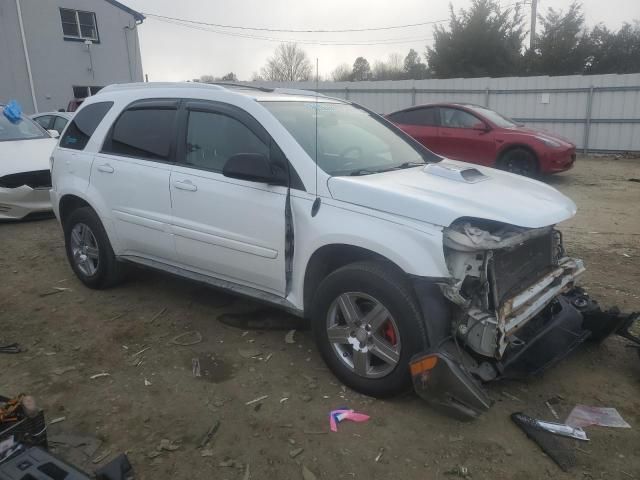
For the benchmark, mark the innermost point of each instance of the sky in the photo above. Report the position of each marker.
(171, 52)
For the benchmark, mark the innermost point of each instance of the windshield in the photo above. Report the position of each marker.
(494, 117)
(24, 129)
(351, 141)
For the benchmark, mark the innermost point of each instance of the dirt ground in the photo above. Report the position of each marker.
(76, 333)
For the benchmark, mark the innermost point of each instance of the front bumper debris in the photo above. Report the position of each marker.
(449, 379)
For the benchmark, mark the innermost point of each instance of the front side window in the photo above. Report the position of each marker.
(59, 123)
(23, 129)
(77, 24)
(350, 140)
(213, 138)
(143, 132)
(495, 117)
(454, 118)
(83, 125)
(44, 121)
(419, 116)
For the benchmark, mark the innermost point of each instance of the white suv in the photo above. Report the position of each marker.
(407, 265)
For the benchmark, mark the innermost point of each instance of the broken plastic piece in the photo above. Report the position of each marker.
(583, 416)
(337, 416)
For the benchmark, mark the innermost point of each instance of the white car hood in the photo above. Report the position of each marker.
(18, 156)
(425, 194)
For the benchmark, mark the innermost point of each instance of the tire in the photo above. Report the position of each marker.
(85, 236)
(520, 161)
(372, 287)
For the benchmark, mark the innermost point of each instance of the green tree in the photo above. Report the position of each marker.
(481, 41)
(563, 45)
(413, 66)
(614, 52)
(361, 70)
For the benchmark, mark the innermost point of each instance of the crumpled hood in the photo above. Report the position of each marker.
(420, 194)
(18, 156)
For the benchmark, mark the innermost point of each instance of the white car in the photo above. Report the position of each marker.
(407, 265)
(25, 179)
(53, 120)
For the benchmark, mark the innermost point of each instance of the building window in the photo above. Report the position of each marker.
(79, 25)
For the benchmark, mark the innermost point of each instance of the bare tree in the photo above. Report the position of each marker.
(342, 73)
(289, 63)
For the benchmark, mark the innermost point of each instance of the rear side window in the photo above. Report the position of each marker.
(143, 132)
(84, 124)
(418, 116)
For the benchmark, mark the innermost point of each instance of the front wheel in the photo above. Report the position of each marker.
(519, 161)
(367, 326)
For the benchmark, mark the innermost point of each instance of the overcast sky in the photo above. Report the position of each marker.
(172, 53)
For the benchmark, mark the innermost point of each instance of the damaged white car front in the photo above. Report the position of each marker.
(515, 311)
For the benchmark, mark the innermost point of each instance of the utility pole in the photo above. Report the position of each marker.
(534, 16)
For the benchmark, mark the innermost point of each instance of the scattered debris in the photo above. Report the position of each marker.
(228, 462)
(379, 455)
(249, 352)
(290, 337)
(99, 375)
(157, 315)
(247, 473)
(167, 445)
(256, 400)
(207, 453)
(552, 410)
(210, 433)
(459, 471)
(100, 458)
(626, 255)
(268, 357)
(337, 416)
(57, 420)
(193, 338)
(284, 399)
(54, 291)
(636, 180)
(12, 348)
(295, 452)
(147, 383)
(307, 474)
(63, 370)
(141, 352)
(510, 397)
(584, 416)
(117, 469)
(195, 367)
(117, 316)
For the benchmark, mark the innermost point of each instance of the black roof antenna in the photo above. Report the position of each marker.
(316, 203)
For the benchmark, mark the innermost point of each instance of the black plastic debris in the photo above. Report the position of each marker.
(117, 469)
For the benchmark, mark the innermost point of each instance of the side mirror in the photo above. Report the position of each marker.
(54, 133)
(481, 127)
(253, 167)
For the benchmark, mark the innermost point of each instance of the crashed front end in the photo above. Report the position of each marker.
(515, 311)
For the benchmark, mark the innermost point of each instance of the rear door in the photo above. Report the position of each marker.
(227, 228)
(421, 123)
(463, 136)
(131, 175)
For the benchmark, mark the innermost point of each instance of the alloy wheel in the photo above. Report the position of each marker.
(84, 249)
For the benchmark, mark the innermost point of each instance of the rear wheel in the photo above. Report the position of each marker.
(520, 161)
(89, 251)
(367, 326)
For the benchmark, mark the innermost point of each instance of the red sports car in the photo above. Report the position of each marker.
(476, 134)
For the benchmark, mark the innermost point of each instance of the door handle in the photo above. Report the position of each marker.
(106, 168)
(185, 185)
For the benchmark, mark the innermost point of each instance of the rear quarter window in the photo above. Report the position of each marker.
(83, 125)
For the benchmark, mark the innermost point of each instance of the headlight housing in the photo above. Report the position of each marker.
(549, 142)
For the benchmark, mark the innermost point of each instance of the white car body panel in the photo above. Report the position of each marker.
(18, 156)
(418, 194)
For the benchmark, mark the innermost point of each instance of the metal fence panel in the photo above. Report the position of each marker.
(596, 112)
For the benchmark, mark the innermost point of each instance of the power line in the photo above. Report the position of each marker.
(284, 30)
(390, 41)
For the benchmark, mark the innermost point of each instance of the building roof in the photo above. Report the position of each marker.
(137, 15)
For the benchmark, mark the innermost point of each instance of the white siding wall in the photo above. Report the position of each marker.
(615, 102)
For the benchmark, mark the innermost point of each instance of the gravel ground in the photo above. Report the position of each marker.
(152, 398)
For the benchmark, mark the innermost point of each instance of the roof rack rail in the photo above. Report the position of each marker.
(237, 84)
(134, 85)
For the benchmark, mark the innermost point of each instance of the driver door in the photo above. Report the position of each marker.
(227, 228)
(462, 138)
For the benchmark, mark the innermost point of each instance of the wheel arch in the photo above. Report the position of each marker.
(516, 146)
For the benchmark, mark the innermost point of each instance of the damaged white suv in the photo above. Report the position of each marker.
(406, 264)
